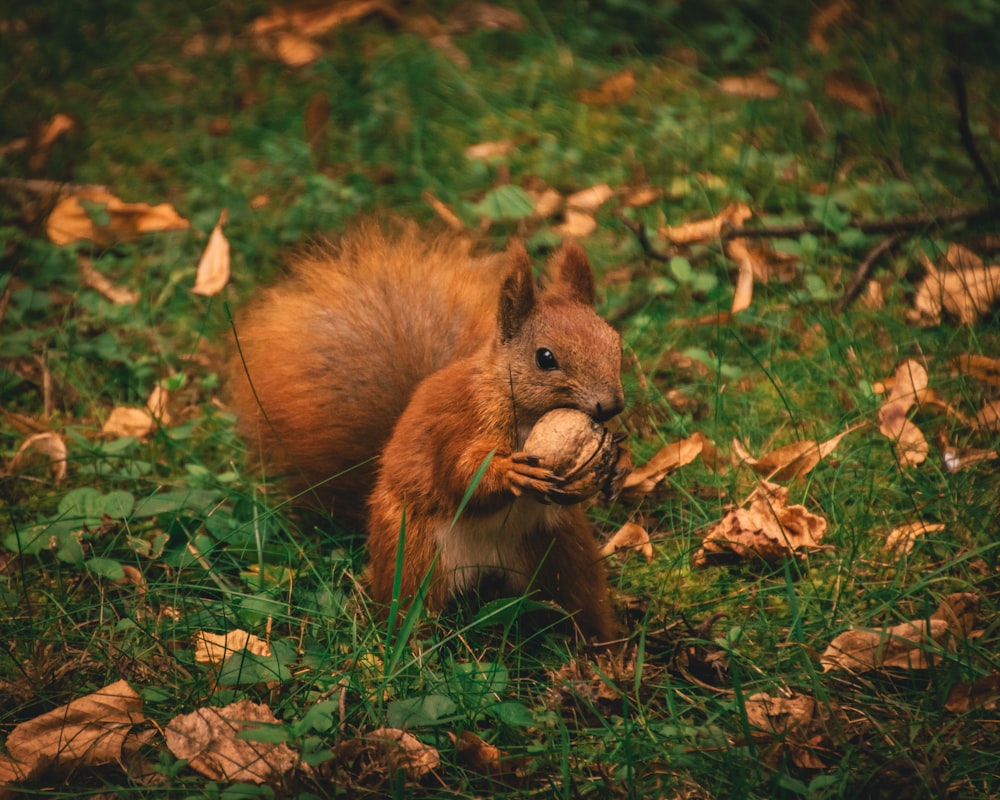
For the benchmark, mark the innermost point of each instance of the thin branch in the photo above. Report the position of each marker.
(864, 271)
(639, 231)
(965, 131)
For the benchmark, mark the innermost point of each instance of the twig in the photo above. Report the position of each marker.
(965, 131)
(639, 230)
(41, 186)
(900, 224)
(864, 270)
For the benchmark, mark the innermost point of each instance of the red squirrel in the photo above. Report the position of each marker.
(391, 366)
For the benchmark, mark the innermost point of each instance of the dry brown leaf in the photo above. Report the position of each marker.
(390, 750)
(88, 732)
(295, 50)
(630, 536)
(69, 221)
(547, 203)
(48, 444)
(756, 86)
(734, 214)
(641, 196)
(591, 198)
(138, 422)
(615, 89)
(310, 20)
(737, 250)
(213, 266)
(768, 529)
(958, 459)
(829, 16)
(909, 381)
(479, 755)
(981, 693)
(487, 151)
(476, 16)
(99, 282)
(979, 367)
(910, 645)
(854, 92)
(797, 724)
(209, 739)
(792, 460)
(642, 480)
(214, 648)
(966, 291)
(902, 538)
(988, 417)
(576, 224)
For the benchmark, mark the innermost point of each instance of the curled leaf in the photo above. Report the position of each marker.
(909, 381)
(213, 266)
(48, 444)
(630, 536)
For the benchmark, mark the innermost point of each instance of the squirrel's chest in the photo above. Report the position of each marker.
(494, 543)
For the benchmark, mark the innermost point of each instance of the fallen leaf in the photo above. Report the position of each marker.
(576, 224)
(854, 92)
(988, 417)
(964, 292)
(214, 648)
(591, 198)
(734, 214)
(138, 422)
(487, 151)
(768, 529)
(48, 444)
(70, 222)
(310, 20)
(913, 645)
(90, 731)
(755, 86)
(983, 693)
(472, 16)
(909, 381)
(547, 203)
(792, 460)
(641, 480)
(958, 459)
(830, 16)
(641, 196)
(737, 251)
(211, 742)
(213, 266)
(902, 538)
(390, 750)
(796, 724)
(99, 282)
(629, 536)
(617, 88)
(979, 367)
(480, 756)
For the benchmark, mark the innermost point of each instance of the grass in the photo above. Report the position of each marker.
(212, 539)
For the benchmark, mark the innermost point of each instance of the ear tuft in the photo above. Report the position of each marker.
(517, 295)
(571, 274)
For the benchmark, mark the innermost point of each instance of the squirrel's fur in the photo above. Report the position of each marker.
(391, 331)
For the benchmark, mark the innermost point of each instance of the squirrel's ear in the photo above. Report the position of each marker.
(517, 295)
(571, 274)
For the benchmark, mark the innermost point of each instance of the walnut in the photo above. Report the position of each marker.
(576, 448)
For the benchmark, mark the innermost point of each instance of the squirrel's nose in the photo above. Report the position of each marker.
(609, 407)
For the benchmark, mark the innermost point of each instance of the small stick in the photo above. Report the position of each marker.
(965, 131)
(865, 269)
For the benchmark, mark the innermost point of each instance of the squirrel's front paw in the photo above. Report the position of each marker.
(528, 476)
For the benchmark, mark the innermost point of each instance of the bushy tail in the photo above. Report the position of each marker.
(327, 358)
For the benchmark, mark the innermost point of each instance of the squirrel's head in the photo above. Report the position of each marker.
(557, 352)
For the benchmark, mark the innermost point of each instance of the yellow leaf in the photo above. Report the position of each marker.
(213, 267)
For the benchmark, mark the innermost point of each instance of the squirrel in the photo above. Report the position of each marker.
(392, 370)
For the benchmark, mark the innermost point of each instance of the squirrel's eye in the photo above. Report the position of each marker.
(545, 359)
